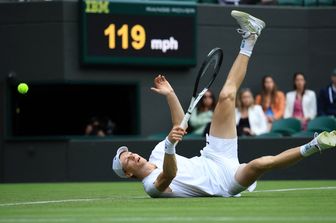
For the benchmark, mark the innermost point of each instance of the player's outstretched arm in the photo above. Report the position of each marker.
(162, 86)
(169, 162)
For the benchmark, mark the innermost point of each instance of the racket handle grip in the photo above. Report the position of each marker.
(184, 123)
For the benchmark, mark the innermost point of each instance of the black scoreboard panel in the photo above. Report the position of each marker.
(136, 33)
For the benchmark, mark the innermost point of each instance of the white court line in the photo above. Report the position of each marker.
(58, 201)
(179, 219)
(296, 189)
(97, 199)
(49, 202)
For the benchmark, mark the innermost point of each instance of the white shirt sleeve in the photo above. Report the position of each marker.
(149, 183)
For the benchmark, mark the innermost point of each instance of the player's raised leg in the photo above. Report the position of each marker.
(250, 172)
(223, 123)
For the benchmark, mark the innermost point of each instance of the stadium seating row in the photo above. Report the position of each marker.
(292, 127)
(281, 128)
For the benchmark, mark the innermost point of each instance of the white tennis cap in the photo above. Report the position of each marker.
(116, 164)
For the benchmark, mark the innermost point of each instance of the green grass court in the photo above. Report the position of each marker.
(273, 201)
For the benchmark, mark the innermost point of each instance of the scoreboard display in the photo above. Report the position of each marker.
(138, 33)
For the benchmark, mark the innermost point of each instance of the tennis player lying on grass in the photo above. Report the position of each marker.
(217, 172)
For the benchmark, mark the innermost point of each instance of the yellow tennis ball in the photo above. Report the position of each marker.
(22, 88)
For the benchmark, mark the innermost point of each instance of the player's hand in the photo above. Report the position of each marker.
(176, 134)
(162, 86)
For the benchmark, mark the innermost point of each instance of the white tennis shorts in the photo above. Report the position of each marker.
(224, 152)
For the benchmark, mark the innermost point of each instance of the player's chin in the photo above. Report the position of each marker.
(142, 161)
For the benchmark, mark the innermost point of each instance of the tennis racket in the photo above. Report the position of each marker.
(205, 78)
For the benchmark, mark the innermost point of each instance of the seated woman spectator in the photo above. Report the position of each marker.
(300, 103)
(271, 99)
(250, 118)
(202, 115)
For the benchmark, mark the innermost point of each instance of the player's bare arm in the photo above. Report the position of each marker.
(169, 163)
(162, 86)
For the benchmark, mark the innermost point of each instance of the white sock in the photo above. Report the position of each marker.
(247, 45)
(309, 148)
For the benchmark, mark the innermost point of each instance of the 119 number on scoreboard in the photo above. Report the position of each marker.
(137, 32)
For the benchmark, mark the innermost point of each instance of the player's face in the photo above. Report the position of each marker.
(132, 162)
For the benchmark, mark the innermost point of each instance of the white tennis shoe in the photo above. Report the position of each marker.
(248, 24)
(325, 140)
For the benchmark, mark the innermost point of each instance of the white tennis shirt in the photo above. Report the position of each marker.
(196, 177)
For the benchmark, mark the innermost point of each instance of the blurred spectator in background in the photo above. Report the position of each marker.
(100, 127)
(202, 116)
(300, 103)
(327, 98)
(271, 99)
(250, 118)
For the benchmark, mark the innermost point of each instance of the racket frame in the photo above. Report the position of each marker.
(197, 97)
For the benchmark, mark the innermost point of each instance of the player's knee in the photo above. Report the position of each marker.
(227, 95)
(264, 163)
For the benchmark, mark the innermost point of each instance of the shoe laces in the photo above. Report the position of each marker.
(244, 33)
